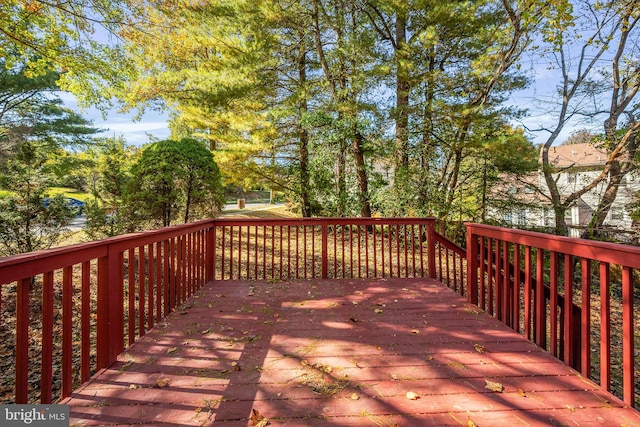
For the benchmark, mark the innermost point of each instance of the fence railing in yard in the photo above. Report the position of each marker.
(337, 248)
(69, 312)
(573, 297)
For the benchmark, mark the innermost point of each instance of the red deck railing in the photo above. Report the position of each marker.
(573, 297)
(334, 248)
(69, 312)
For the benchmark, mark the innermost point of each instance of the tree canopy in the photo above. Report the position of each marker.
(172, 178)
(352, 108)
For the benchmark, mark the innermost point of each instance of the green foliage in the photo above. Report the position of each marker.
(28, 220)
(78, 38)
(30, 110)
(172, 178)
(108, 213)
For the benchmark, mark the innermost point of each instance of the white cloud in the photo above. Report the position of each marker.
(152, 124)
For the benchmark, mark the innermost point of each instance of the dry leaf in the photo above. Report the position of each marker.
(415, 331)
(258, 420)
(354, 396)
(412, 396)
(480, 348)
(163, 382)
(522, 393)
(133, 387)
(394, 376)
(471, 424)
(172, 350)
(497, 387)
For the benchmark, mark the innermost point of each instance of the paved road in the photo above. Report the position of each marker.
(78, 223)
(230, 208)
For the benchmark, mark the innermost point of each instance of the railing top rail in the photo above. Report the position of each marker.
(322, 220)
(17, 267)
(613, 253)
(450, 245)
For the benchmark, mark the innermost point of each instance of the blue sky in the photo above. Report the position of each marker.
(153, 124)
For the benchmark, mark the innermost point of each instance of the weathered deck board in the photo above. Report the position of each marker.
(339, 353)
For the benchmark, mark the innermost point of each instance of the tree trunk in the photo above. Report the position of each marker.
(361, 173)
(402, 101)
(341, 183)
(303, 135)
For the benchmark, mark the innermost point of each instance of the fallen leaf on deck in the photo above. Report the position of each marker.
(497, 387)
(412, 396)
(163, 382)
(471, 424)
(258, 420)
(354, 396)
(172, 350)
(133, 387)
(480, 348)
(415, 331)
(522, 393)
(394, 376)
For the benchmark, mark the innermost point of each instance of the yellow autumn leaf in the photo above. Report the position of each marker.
(163, 382)
(493, 386)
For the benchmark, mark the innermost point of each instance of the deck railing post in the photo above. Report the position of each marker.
(116, 303)
(210, 247)
(325, 251)
(431, 248)
(102, 341)
(22, 341)
(472, 267)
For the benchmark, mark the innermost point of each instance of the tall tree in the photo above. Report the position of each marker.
(606, 32)
(211, 63)
(343, 50)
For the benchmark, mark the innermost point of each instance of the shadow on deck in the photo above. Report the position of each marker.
(338, 353)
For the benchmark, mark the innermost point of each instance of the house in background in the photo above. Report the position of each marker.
(523, 202)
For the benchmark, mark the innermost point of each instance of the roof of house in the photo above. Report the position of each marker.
(563, 156)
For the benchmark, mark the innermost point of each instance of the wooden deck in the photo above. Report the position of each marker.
(338, 353)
